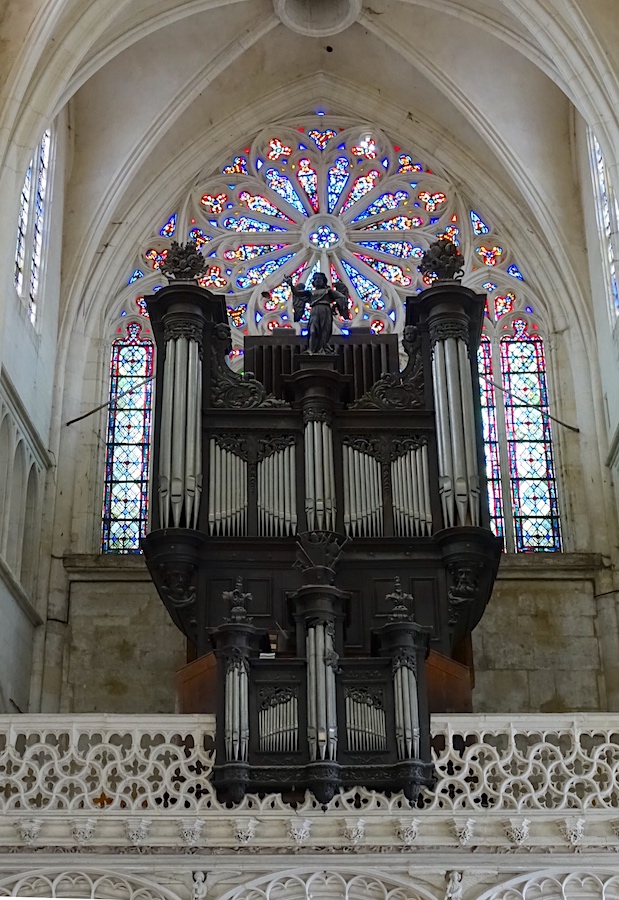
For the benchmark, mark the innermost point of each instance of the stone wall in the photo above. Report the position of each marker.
(535, 650)
(122, 648)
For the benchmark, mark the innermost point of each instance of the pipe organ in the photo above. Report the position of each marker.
(342, 534)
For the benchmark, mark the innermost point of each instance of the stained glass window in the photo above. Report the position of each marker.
(125, 506)
(608, 221)
(30, 226)
(319, 196)
(518, 440)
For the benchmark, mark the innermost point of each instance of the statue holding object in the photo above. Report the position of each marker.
(325, 302)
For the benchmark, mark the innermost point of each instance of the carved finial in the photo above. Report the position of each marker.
(442, 261)
(402, 603)
(238, 600)
(184, 262)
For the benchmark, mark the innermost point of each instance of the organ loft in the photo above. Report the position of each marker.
(320, 531)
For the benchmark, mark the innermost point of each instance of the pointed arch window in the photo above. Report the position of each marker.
(349, 202)
(517, 437)
(31, 226)
(125, 506)
(607, 212)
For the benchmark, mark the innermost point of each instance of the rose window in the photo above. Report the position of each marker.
(304, 198)
(345, 201)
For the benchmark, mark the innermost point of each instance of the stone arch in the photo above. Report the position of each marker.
(88, 883)
(17, 507)
(328, 884)
(6, 457)
(557, 884)
(31, 529)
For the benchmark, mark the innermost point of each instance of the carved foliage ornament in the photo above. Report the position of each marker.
(275, 696)
(399, 390)
(176, 328)
(319, 548)
(442, 261)
(273, 443)
(230, 390)
(443, 330)
(184, 262)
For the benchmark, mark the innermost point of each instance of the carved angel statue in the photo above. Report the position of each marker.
(442, 260)
(325, 302)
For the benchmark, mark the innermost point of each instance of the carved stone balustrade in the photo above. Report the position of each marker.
(507, 783)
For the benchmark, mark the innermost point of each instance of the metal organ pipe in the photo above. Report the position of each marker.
(321, 700)
(236, 709)
(443, 435)
(166, 433)
(227, 491)
(455, 426)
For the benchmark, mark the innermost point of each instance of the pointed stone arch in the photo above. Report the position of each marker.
(88, 883)
(329, 884)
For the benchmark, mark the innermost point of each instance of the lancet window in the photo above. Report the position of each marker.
(520, 468)
(125, 507)
(607, 211)
(31, 226)
(351, 203)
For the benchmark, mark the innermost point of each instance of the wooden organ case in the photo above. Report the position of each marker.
(319, 522)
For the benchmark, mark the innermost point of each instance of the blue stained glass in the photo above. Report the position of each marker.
(246, 223)
(137, 273)
(529, 441)
(256, 274)
(125, 506)
(382, 203)
(321, 138)
(336, 181)
(251, 251)
(362, 185)
(283, 186)
(324, 237)
(308, 179)
(364, 288)
(478, 225)
(396, 223)
(515, 272)
(490, 436)
(169, 228)
(403, 249)
(259, 203)
(388, 271)
(199, 238)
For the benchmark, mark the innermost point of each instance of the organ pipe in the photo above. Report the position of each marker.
(321, 705)
(410, 480)
(180, 447)
(455, 427)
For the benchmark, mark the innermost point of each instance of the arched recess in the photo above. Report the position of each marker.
(28, 566)
(6, 459)
(556, 884)
(340, 884)
(89, 883)
(17, 508)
